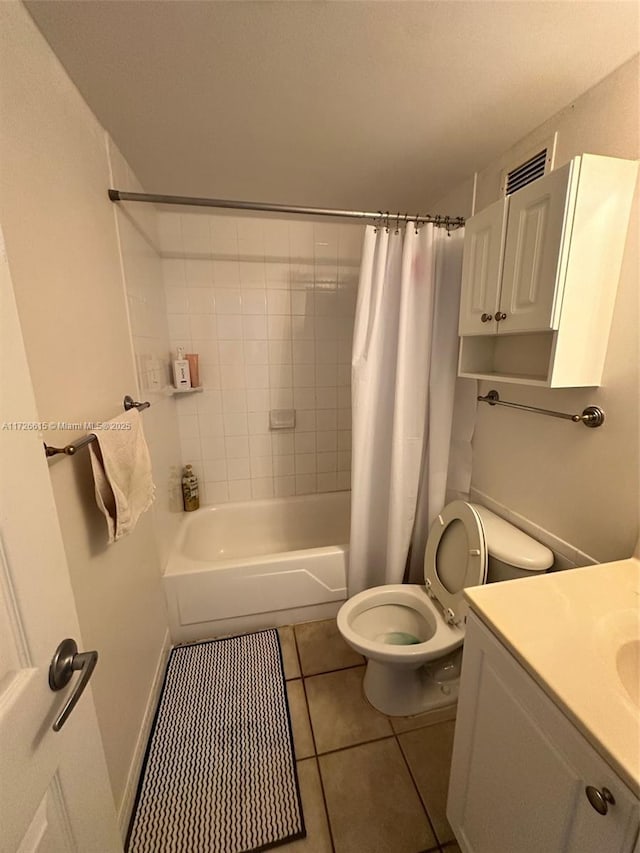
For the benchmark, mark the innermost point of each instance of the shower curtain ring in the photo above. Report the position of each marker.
(398, 222)
(415, 224)
(386, 222)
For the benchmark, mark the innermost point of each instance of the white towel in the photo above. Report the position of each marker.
(122, 473)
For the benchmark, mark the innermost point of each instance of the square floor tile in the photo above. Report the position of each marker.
(428, 754)
(322, 648)
(340, 714)
(318, 839)
(289, 652)
(302, 737)
(371, 800)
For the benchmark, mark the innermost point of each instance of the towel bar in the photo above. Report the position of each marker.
(592, 416)
(72, 449)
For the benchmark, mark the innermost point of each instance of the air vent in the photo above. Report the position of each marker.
(523, 174)
(539, 161)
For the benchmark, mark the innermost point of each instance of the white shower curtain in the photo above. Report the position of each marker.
(403, 384)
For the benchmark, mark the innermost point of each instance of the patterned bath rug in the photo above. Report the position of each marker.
(220, 775)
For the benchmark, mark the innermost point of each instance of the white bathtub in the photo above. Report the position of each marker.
(245, 566)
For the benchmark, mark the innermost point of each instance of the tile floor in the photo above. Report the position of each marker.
(369, 783)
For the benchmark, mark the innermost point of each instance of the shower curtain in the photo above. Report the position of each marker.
(406, 443)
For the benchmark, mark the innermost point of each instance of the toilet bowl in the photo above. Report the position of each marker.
(412, 635)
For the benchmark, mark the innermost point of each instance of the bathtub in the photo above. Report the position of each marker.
(245, 566)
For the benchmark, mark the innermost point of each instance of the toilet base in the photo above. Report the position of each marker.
(403, 692)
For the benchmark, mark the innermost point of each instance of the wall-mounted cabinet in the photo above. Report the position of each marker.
(540, 273)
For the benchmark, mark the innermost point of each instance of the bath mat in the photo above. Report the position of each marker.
(220, 774)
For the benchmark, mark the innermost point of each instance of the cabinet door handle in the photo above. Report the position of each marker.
(500, 316)
(486, 317)
(600, 800)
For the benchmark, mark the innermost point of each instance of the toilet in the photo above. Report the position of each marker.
(412, 635)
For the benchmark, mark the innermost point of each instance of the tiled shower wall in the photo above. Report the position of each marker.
(268, 304)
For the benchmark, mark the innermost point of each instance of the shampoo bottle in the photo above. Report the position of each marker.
(190, 491)
(181, 376)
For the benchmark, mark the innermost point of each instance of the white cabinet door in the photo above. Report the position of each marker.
(520, 768)
(482, 269)
(54, 790)
(532, 279)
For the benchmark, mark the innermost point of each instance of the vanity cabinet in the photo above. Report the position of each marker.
(540, 273)
(520, 768)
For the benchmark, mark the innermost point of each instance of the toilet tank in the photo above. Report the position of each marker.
(512, 553)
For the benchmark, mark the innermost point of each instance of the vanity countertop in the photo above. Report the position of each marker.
(578, 634)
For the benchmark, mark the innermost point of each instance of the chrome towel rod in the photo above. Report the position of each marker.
(592, 416)
(71, 449)
(387, 218)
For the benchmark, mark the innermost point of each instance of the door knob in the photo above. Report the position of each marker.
(500, 316)
(486, 317)
(64, 663)
(600, 800)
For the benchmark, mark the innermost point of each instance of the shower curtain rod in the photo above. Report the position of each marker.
(389, 219)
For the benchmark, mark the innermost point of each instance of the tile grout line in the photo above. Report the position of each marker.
(331, 671)
(315, 747)
(394, 735)
(355, 745)
(417, 790)
(304, 690)
(438, 847)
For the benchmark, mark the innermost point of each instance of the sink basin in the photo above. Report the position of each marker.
(619, 645)
(628, 666)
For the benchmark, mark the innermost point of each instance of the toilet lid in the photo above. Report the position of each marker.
(455, 557)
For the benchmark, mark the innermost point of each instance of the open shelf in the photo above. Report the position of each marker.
(524, 359)
(179, 392)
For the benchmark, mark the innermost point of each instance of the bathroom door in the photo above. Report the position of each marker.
(54, 789)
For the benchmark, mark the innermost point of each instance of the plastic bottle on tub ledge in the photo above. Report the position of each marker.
(190, 491)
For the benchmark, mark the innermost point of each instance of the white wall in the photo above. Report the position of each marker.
(142, 270)
(579, 485)
(268, 305)
(62, 246)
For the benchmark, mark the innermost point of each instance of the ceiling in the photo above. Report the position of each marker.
(358, 105)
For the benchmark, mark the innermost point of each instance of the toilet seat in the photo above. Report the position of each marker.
(402, 680)
(443, 638)
(455, 558)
